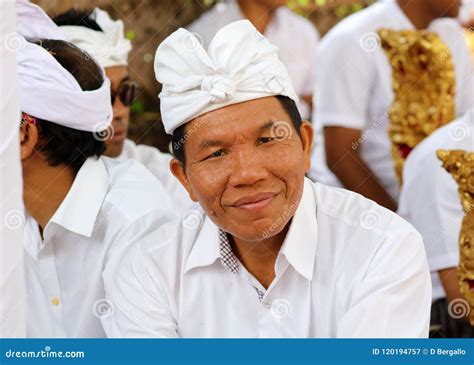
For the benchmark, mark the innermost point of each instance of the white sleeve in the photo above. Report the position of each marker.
(344, 74)
(430, 202)
(12, 292)
(158, 163)
(137, 291)
(393, 300)
(466, 83)
(312, 43)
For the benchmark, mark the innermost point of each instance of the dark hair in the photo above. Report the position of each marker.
(83, 18)
(178, 138)
(63, 145)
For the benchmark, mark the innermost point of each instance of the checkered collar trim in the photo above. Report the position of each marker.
(228, 259)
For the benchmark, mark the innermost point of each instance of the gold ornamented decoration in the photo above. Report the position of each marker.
(424, 85)
(460, 164)
(469, 35)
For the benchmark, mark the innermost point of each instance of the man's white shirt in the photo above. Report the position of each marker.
(158, 163)
(347, 268)
(110, 206)
(354, 79)
(429, 197)
(295, 37)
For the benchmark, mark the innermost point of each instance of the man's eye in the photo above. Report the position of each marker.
(218, 153)
(265, 139)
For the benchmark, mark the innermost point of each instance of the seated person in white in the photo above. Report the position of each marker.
(430, 201)
(83, 210)
(272, 254)
(354, 78)
(103, 38)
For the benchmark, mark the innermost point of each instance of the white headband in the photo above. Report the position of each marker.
(46, 89)
(240, 65)
(109, 47)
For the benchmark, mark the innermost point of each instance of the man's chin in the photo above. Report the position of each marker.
(114, 149)
(258, 230)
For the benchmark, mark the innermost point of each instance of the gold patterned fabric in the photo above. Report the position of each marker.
(469, 34)
(461, 165)
(424, 86)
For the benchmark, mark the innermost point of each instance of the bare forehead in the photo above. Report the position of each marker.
(242, 118)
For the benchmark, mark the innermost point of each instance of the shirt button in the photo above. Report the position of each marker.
(55, 301)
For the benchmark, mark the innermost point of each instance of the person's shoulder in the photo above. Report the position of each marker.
(357, 216)
(298, 23)
(453, 35)
(147, 155)
(167, 248)
(208, 23)
(448, 26)
(206, 19)
(458, 134)
(355, 25)
(133, 191)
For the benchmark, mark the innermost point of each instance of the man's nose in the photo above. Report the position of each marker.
(247, 168)
(119, 109)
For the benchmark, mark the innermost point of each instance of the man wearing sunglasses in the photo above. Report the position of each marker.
(103, 38)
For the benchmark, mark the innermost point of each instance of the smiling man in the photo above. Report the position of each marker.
(271, 254)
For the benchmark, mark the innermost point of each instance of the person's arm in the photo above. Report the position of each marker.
(346, 163)
(344, 77)
(141, 309)
(393, 300)
(450, 280)
(136, 288)
(430, 201)
(309, 65)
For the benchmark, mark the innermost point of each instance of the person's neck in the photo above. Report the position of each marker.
(45, 188)
(259, 257)
(419, 12)
(258, 14)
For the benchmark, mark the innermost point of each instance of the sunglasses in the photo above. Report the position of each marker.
(126, 93)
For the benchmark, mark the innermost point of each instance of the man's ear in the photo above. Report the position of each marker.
(29, 135)
(179, 172)
(307, 136)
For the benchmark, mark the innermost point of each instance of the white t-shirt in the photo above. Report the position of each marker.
(158, 163)
(110, 206)
(347, 268)
(354, 79)
(295, 37)
(429, 197)
(12, 293)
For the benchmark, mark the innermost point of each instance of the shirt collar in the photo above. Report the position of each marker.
(206, 247)
(79, 209)
(299, 247)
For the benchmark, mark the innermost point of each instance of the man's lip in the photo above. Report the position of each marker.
(252, 202)
(119, 134)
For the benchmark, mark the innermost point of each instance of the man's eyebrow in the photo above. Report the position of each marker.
(266, 126)
(216, 143)
(210, 143)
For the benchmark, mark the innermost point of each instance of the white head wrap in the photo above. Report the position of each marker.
(46, 89)
(109, 48)
(240, 65)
